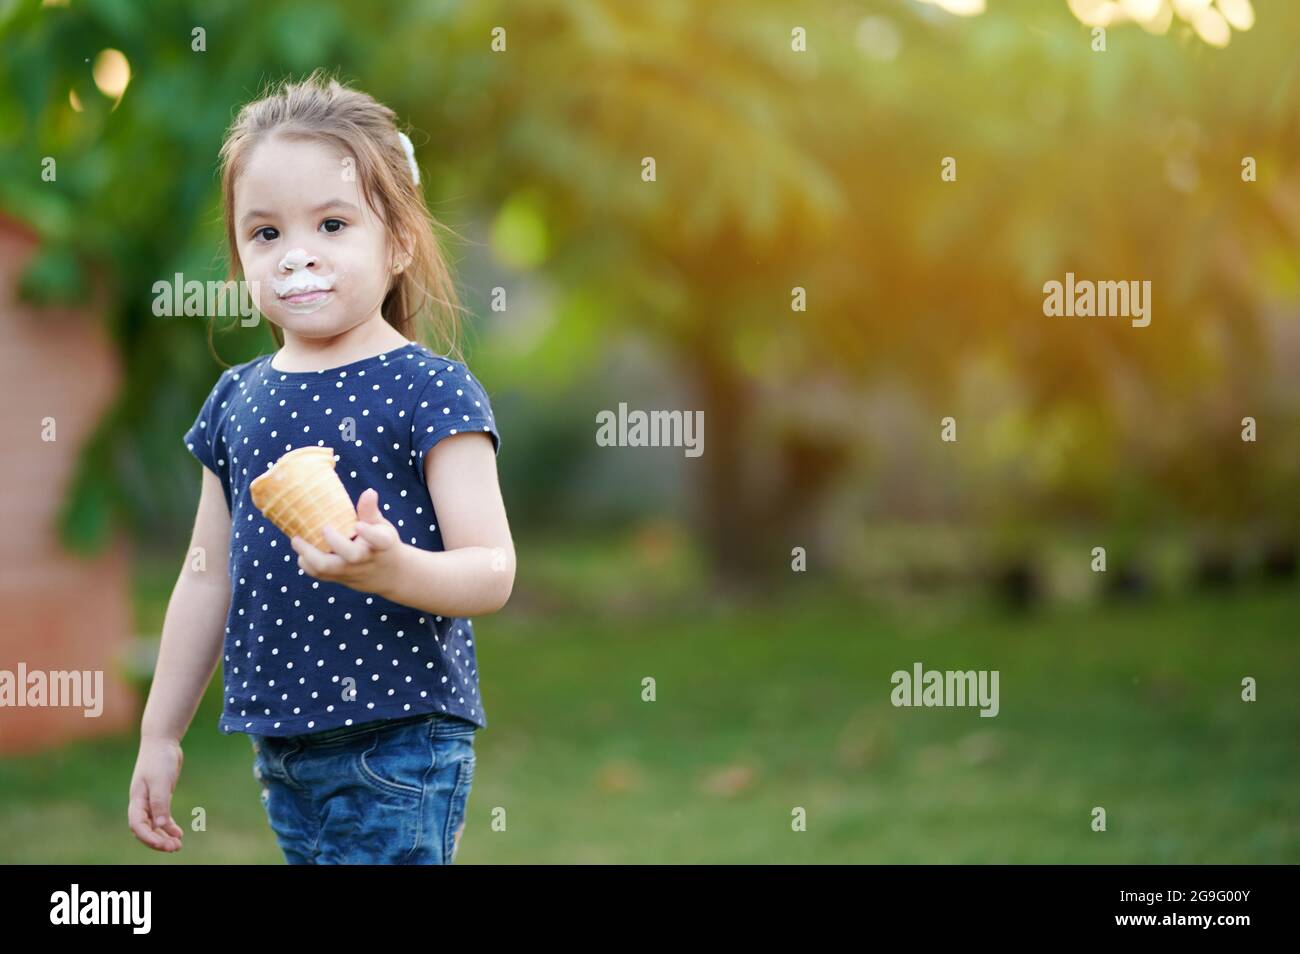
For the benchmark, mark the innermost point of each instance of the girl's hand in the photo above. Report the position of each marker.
(149, 810)
(365, 562)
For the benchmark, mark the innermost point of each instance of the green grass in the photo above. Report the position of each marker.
(1135, 709)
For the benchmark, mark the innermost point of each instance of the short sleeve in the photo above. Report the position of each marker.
(203, 439)
(451, 402)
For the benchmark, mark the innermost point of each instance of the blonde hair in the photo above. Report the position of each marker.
(421, 301)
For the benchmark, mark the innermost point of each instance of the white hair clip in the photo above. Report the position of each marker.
(410, 156)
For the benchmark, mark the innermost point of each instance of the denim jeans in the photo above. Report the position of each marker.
(390, 792)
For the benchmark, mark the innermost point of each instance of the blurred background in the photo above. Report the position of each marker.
(827, 536)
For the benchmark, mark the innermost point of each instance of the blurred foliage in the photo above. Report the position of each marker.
(775, 169)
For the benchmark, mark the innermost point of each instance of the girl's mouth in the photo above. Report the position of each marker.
(307, 300)
(307, 297)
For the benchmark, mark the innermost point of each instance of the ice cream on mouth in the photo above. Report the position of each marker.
(302, 291)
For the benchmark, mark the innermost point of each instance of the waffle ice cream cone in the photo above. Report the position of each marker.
(301, 492)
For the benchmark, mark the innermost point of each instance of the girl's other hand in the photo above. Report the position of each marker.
(157, 768)
(365, 562)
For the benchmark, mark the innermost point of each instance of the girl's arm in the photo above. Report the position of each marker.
(474, 575)
(195, 625)
(192, 636)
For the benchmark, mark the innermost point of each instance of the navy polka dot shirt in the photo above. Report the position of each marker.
(303, 655)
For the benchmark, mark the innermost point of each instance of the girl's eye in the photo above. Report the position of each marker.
(325, 226)
(259, 234)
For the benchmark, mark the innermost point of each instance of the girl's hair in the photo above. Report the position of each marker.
(421, 301)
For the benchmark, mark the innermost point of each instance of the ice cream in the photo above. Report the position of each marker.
(300, 493)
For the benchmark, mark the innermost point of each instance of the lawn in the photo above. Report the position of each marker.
(763, 711)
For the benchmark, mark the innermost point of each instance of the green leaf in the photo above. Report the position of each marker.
(53, 277)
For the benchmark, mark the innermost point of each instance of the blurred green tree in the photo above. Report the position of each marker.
(778, 166)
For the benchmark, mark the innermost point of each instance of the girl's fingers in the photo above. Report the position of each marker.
(158, 809)
(138, 814)
(379, 536)
(161, 812)
(322, 565)
(147, 835)
(314, 561)
(368, 507)
(354, 551)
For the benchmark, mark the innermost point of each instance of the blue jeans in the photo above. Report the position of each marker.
(390, 792)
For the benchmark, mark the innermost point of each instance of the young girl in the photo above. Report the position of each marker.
(352, 668)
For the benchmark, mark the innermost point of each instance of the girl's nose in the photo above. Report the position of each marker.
(297, 258)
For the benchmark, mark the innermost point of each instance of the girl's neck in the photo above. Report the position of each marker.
(312, 354)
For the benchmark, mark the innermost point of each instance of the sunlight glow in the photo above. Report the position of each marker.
(112, 73)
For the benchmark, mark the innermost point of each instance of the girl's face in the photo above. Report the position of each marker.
(316, 255)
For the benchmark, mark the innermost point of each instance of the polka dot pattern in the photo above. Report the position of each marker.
(306, 655)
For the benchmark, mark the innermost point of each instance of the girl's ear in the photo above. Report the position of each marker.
(401, 257)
